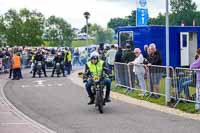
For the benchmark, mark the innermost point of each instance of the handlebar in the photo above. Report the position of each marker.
(88, 74)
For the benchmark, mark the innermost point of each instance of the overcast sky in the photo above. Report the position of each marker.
(72, 10)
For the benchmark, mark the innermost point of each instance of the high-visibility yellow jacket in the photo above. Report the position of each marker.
(68, 56)
(96, 69)
(33, 58)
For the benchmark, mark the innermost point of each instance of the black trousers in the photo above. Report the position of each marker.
(35, 70)
(16, 73)
(61, 67)
(10, 73)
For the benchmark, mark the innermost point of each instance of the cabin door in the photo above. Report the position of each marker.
(184, 47)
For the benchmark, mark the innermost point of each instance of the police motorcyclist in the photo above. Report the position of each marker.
(68, 60)
(96, 66)
(58, 59)
(39, 57)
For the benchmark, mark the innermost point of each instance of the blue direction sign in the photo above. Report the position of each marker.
(142, 17)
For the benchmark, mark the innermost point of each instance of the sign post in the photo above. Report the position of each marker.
(142, 13)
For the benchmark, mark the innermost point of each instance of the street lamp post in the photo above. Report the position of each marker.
(167, 85)
(87, 29)
(86, 15)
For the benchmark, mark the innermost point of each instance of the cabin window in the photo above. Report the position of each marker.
(126, 37)
(184, 40)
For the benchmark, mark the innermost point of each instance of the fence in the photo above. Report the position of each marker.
(187, 85)
(5, 64)
(152, 80)
(1, 64)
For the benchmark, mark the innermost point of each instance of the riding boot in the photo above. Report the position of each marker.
(45, 74)
(63, 71)
(34, 73)
(91, 100)
(53, 72)
(107, 97)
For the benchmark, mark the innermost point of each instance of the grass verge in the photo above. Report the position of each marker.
(80, 43)
(183, 106)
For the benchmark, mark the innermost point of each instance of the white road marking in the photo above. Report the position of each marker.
(60, 84)
(25, 86)
(40, 82)
(39, 85)
(49, 85)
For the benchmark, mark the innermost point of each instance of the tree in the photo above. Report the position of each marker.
(179, 6)
(130, 20)
(24, 28)
(183, 11)
(32, 27)
(2, 32)
(58, 32)
(92, 29)
(197, 18)
(13, 24)
(84, 29)
(160, 20)
(104, 36)
(114, 23)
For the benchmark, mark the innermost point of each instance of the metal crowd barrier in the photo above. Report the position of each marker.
(122, 75)
(1, 65)
(186, 85)
(26, 62)
(156, 78)
(5, 65)
(147, 79)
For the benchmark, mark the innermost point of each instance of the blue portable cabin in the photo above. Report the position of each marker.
(183, 41)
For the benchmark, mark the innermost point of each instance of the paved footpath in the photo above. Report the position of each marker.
(12, 120)
(61, 105)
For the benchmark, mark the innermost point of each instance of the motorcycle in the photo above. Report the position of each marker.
(97, 89)
(58, 68)
(98, 85)
(39, 68)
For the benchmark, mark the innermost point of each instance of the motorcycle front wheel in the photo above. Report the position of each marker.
(99, 101)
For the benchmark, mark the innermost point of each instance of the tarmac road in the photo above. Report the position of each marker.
(62, 106)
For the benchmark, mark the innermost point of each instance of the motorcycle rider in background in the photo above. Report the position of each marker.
(58, 59)
(39, 57)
